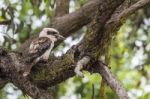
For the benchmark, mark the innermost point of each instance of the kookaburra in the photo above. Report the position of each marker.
(41, 47)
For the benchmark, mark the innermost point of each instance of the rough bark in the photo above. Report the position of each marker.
(106, 23)
(62, 7)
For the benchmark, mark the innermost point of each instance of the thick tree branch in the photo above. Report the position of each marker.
(30, 88)
(2, 83)
(10, 74)
(62, 7)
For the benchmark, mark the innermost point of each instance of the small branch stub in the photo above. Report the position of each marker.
(80, 64)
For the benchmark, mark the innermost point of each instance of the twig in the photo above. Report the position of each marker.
(133, 8)
(84, 61)
(121, 13)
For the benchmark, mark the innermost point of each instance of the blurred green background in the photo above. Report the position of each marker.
(129, 52)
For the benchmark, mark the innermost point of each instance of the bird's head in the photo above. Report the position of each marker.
(51, 33)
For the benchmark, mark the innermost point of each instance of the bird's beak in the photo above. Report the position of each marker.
(60, 37)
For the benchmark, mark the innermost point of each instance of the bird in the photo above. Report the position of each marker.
(41, 47)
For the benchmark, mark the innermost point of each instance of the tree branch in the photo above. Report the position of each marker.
(10, 74)
(62, 7)
(30, 88)
(140, 4)
(104, 71)
(123, 12)
(2, 83)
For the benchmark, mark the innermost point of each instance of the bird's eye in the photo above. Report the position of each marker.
(51, 33)
(48, 32)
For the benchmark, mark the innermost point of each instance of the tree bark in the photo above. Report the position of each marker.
(62, 7)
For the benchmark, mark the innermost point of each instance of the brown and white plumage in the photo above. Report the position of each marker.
(41, 47)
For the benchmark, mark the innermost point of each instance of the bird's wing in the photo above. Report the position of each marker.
(39, 46)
